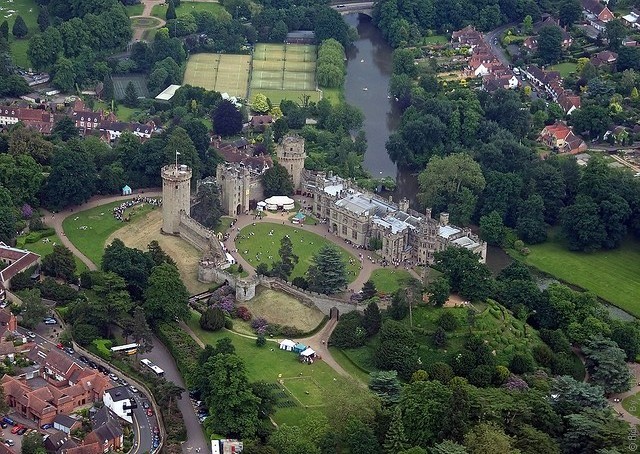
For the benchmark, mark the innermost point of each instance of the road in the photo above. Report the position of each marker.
(195, 437)
(492, 37)
(143, 424)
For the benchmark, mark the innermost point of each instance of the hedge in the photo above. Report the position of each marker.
(34, 237)
(182, 347)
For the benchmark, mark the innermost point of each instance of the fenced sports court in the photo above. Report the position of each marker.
(290, 68)
(224, 73)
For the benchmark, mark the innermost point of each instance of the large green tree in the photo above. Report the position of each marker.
(277, 181)
(328, 272)
(607, 364)
(550, 44)
(60, 263)
(19, 29)
(288, 260)
(166, 298)
(396, 349)
(207, 208)
(140, 331)
(569, 12)
(113, 301)
(465, 273)
(530, 224)
(227, 119)
(72, 180)
(33, 309)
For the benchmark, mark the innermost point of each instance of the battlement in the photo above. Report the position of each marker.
(180, 172)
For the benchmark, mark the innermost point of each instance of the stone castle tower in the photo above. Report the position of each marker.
(291, 155)
(176, 191)
(235, 188)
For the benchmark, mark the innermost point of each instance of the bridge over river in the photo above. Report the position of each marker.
(354, 7)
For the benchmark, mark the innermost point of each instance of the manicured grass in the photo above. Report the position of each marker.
(436, 39)
(305, 245)
(277, 96)
(347, 364)
(28, 9)
(100, 224)
(388, 280)
(334, 95)
(264, 364)
(305, 389)
(283, 309)
(612, 275)
(187, 7)
(632, 405)
(42, 248)
(122, 112)
(564, 68)
(135, 10)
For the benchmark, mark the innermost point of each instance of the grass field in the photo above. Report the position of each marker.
(225, 73)
(135, 10)
(436, 39)
(632, 405)
(612, 275)
(185, 8)
(283, 309)
(305, 245)
(388, 280)
(271, 366)
(564, 68)
(284, 71)
(28, 9)
(99, 223)
(45, 248)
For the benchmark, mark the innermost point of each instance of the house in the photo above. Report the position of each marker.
(107, 431)
(260, 122)
(530, 43)
(604, 58)
(596, 11)
(551, 82)
(468, 36)
(631, 19)
(112, 130)
(287, 345)
(494, 82)
(65, 423)
(119, 401)
(15, 261)
(560, 137)
(37, 119)
(57, 442)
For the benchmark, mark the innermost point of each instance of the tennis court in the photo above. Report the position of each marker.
(286, 67)
(224, 73)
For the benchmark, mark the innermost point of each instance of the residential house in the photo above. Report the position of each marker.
(631, 19)
(37, 119)
(107, 431)
(550, 21)
(531, 43)
(597, 14)
(468, 36)
(65, 423)
(57, 442)
(604, 58)
(119, 401)
(112, 130)
(493, 82)
(551, 82)
(15, 261)
(561, 138)
(260, 122)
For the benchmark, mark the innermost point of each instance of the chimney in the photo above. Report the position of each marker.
(390, 199)
(404, 205)
(427, 213)
(444, 218)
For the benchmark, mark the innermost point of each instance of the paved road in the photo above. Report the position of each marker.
(492, 37)
(55, 219)
(195, 437)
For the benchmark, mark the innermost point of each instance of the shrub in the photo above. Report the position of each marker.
(228, 324)
(212, 319)
(84, 333)
(346, 333)
(261, 340)
(243, 313)
(521, 363)
(34, 237)
(448, 321)
(259, 325)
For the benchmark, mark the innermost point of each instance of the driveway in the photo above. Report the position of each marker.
(195, 436)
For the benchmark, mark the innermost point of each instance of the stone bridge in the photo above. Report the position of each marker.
(354, 7)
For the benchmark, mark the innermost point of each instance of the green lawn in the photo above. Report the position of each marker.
(135, 10)
(632, 405)
(42, 248)
(225, 223)
(99, 223)
(271, 366)
(305, 245)
(277, 96)
(436, 39)
(388, 280)
(28, 9)
(612, 275)
(564, 68)
(185, 8)
(122, 112)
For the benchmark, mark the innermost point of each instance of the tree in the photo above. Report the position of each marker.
(43, 18)
(550, 44)
(492, 228)
(582, 226)
(180, 141)
(207, 208)
(233, 406)
(439, 338)
(488, 438)
(569, 12)
(447, 447)
(521, 363)
(530, 225)
(615, 32)
(527, 25)
(438, 291)
(4, 30)
(396, 349)
(171, 11)
(60, 263)
(424, 405)
(166, 298)
(570, 396)
(7, 224)
(607, 365)
(594, 431)
(72, 179)
(19, 29)
(64, 74)
(33, 309)
(448, 321)
(288, 260)
(32, 444)
(113, 302)
(349, 332)
(292, 440)
(44, 49)
(465, 273)
(328, 273)
(140, 332)
(212, 319)
(395, 439)
(227, 119)
(371, 319)
(65, 129)
(386, 386)
(368, 290)
(277, 181)
(260, 104)
(130, 96)
(627, 336)
(132, 264)
(399, 307)
(157, 255)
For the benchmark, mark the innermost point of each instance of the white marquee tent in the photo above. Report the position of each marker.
(287, 345)
(278, 202)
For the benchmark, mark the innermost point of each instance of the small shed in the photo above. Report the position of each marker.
(299, 348)
(287, 345)
(65, 423)
(126, 190)
(298, 218)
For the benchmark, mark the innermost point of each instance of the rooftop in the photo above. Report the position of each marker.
(168, 92)
(446, 231)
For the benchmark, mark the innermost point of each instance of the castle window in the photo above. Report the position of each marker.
(344, 229)
(354, 235)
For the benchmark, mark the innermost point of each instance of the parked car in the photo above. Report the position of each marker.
(69, 350)
(22, 431)
(9, 421)
(92, 364)
(113, 377)
(9, 442)
(3, 424)
(83, 359)
(133, 389)
(156, 443)
(46, 426)
(124, 382)
(31, 334)
(156, 430)
(50, 321)
(149, 412)
(16, 429)
(60, 346)
(145, 405)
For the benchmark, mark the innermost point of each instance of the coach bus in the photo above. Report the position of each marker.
(145, 362)
(129, 349)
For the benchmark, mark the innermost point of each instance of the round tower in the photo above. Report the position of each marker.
(176, 192)
(291, 156)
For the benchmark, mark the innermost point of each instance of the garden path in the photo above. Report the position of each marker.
(635, 389)
(55, 219)
(138, 32)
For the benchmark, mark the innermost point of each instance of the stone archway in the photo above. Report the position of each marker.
(334, 228)
(334, 312)
(239, 209)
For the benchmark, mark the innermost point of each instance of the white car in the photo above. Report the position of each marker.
(31, 334)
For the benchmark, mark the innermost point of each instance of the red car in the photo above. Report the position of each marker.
(17, 428)
(60, 346)
(149, 412)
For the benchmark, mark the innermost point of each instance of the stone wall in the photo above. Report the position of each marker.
(194, 232)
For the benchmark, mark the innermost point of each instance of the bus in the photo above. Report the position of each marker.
(145, 362)
(129, 349)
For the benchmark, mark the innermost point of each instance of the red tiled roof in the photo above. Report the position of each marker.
(21, 261)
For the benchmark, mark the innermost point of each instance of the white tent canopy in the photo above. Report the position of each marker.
(287, 345)
(308, 352)
(280, 201)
